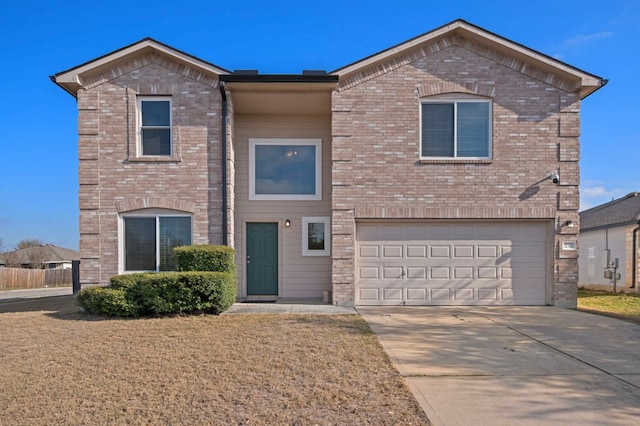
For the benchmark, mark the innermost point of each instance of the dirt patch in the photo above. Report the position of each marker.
(58, 366)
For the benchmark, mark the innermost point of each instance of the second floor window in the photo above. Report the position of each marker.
(459, 128)
(154, 118)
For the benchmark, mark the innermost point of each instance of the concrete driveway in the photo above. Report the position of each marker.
(514, 365)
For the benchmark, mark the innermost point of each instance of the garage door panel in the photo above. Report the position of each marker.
(500, 263)
(439, 273)
(369, 251)
(463, 252)
(488, 294)
(462, 272)
(416, 272)
(368, 272)
(465, 294)
(392, 251)
(369, 294)
(416, 252)
(393, 272)
(392, 294)
(440, 251)
(487, 273)
(487, 251)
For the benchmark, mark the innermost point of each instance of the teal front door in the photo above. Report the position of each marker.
(262, 259)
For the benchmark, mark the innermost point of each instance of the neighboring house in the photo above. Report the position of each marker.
(440, 171)
(611, 229)
(44, 256)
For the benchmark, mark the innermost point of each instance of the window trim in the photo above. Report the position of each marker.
(455, 98)
(306, 251)
(139, 128)
(253, 142)
(146, 213)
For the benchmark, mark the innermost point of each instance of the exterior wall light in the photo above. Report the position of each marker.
(287, 223)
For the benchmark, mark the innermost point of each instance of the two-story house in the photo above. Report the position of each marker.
(443, 170)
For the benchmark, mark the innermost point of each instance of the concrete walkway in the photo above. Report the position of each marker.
(514, 365)
(289, 306)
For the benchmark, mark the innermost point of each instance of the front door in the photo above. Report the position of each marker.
(262, 259)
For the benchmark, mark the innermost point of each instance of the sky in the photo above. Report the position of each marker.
(38, 38)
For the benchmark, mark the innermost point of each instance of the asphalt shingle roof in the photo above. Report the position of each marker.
(48, 253)
(625, 210)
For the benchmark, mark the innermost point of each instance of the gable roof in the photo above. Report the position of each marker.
(71, 79)
(46, 253)
(623, 211)
(584, 82)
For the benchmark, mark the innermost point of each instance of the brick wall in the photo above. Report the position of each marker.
(114, 180)
(377, 172)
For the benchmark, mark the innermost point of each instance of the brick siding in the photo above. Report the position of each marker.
(114, 180)
(377, 172)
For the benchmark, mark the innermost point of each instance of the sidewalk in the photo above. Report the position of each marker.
(18, 295)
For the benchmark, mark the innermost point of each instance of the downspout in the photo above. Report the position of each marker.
(634, 257)
(223, 94)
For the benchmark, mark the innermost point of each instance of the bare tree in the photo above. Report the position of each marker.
(37, 256)
(29, 242)
(12, 259)
(1, 245)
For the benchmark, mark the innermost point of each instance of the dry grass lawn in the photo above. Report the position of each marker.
(58, 366)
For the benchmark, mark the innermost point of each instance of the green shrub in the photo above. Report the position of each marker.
(126, 281)
(206, 284)
(107, 300)
(205, 258)
(162, 293)
(185, 292)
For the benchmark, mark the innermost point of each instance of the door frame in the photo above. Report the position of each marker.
(243, 259)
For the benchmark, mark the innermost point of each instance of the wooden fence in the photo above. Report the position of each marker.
(12, 278)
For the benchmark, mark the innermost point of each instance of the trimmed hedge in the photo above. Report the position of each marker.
(185, 292)
(107, 300)
(205, 258)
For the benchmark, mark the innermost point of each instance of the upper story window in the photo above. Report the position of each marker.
(285, 169)
(148, 239)
(455, 126)
(154, 118)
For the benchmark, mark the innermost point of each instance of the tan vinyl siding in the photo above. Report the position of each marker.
(299, 276)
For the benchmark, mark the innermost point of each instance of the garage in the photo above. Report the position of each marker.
(451, 263)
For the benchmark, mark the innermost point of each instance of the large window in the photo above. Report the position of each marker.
(285, 169)
(149, 241)
(458, 128)
(154, 118)
(316, 234)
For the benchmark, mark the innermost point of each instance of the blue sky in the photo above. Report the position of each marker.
(38, 161)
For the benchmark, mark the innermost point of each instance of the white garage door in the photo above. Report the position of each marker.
(435, 263)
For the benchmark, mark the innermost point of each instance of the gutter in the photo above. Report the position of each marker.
(255, 77)
(225, 218)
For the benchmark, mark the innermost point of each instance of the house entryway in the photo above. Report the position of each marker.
(262, 259)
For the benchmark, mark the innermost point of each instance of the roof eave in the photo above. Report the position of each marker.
(586, 83)
(71, 79)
